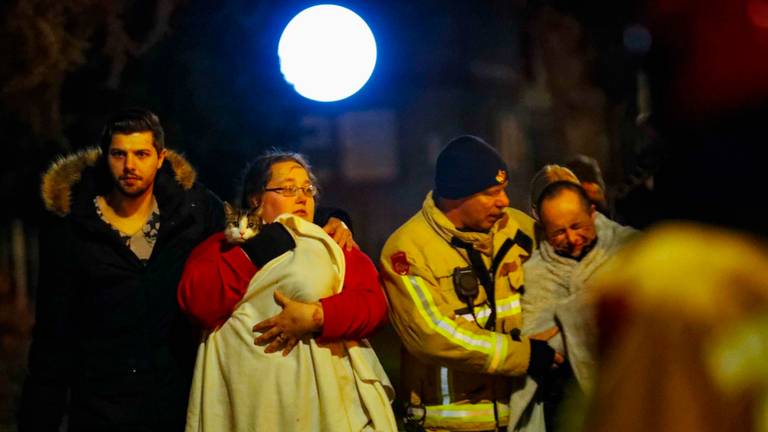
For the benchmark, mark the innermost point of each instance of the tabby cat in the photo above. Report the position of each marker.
(242, 224)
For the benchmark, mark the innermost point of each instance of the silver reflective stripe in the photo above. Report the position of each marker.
(508, 306)
(444, 389)
(447, 327)
(482, 313)
(465, 413)
(504, 307)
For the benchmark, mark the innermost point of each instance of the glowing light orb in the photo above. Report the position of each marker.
(327, 53)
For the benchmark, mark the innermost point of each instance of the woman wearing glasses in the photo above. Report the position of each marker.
(307, 297)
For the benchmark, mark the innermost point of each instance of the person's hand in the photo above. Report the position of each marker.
(558, 360)
(547, 335)
(284, 330)
(340, 233)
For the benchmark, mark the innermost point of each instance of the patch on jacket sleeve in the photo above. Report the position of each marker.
(400, 263)
(507, 268)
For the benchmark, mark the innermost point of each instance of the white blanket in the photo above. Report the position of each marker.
(338, 386)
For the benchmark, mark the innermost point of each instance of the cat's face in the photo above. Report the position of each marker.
(242, 224)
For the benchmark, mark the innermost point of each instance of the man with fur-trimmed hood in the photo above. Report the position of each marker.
(111, 350)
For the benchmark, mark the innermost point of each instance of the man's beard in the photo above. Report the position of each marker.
(135, 193)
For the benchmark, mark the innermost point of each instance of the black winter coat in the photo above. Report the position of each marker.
(111, 349)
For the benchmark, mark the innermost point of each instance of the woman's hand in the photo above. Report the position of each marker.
(340, 233)
(284, 330)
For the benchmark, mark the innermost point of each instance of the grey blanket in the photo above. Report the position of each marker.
(557, 294)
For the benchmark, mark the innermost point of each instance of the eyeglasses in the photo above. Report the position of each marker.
(293, 190)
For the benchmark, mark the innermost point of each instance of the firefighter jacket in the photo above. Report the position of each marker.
(455, 372)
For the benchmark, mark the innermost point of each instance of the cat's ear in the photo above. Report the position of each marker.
(228, 210)
(254, 211)
(254, 201)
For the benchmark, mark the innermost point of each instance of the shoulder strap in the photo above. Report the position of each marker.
(524, 241)
(478, 267)
(502, 252)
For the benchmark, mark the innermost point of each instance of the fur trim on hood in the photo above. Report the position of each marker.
(66, 171)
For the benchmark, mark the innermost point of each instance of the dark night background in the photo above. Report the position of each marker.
(668, 95)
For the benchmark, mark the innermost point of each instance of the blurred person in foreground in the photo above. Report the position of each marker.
(683, 334)
(578, 241)
(453, 275)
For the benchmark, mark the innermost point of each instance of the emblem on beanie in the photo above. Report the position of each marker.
(501, 176)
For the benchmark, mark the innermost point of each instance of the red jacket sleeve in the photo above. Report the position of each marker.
(361, 307)
(214, 280)
(216, 277)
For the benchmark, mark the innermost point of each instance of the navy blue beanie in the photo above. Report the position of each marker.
(468, 165)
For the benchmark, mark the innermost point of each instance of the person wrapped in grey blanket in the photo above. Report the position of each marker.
(578, 241)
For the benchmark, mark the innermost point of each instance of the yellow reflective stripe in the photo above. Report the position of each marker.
(509, 301)
(441, 324)
(500, 353)
(508, 306)
(504, 308)
(441, 414)
(481, 312)
(496, 358)
(483, 318)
